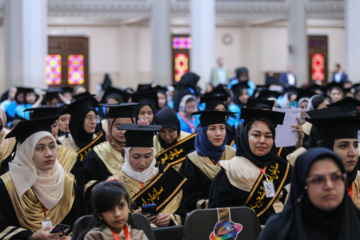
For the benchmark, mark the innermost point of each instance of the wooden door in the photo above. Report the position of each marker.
(67, 62)
(181, 45)
(318, 58)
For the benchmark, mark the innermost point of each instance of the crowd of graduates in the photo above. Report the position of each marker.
(66, 153)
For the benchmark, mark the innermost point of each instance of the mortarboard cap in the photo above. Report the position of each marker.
(86, 102)
(52, 93)
(255, 103)
(273, 116)
(81, 95)
(347, 105)
(67, 90)
(212, 117)
(316, 88)
(44, 112)
(220, 90)
(139, 135)
(148, 97)
(144, 87)
(123, 110)
(26, 128)
(117, 93)
(304, 93)
(266, 94)
(212, 101)
(334, 124)
(239, 86)
(332, 85)
(159, 88)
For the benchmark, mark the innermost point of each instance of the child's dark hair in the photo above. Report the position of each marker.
(106, 195)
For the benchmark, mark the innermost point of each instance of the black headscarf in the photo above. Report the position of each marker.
(167, 118)
(243, 149)
(77, 120)
(301, 220)
(188, 81)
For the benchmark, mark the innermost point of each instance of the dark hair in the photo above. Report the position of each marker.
(106, 195)
(189, 100)
(317, 100)
(270, 124)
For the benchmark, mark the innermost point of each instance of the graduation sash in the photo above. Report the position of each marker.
(277, 173)
(82, 152)
(176, 153)
(160, 190)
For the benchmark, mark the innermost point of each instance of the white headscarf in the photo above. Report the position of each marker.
(48, 185)
(144, 175)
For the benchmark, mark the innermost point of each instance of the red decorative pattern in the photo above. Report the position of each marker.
(318, 66)
(53, 69)
(181, 65)
(182, 43)
(75, 69)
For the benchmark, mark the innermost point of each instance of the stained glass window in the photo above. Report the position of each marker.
(181, 42)
(76, 69)
(53, 69)
(181, 65)
(318, 66)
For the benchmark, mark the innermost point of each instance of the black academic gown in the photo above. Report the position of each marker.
(9, 224)
(197, 185)
(232, 196)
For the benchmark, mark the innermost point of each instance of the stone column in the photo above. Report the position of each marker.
(202, 54)
(297, 37)
(25, 30)
(161, 42)
(352, 19)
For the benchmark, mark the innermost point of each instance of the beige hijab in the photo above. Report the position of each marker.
(6, 145)
(48, 185)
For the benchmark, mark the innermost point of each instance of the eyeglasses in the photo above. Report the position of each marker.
(91, 118)
(320, 180)
(170, 132)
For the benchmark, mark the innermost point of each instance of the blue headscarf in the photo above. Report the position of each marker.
(205, 148)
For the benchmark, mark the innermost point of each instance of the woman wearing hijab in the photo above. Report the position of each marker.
(186, 86)
(338, 131)
(148, 103)
(318, 206)
(201, 166)
(170, 135)
(188, 105)
(7, 145)
(239, 100)
(107, 158)
(242, 181)
(145, 183)
(36, 194)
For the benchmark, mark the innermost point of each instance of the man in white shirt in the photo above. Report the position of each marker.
(338, 75)
(287, 78)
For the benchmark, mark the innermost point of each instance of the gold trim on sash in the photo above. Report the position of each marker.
(6, 231)
(66, 157)
(29, 210)
(6, 145)
(111, 157)
(205, 164)
(133, 187)
(79, 152)
(14, 233)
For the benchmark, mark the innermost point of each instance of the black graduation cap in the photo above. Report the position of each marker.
(67, 90)
(273, 116)
(159, 88)
(123, 110)
(26, 128)
(332, 85)
(348, 90)
(347, 105)
(316, 88)
(139, 135)
(266, 94)
(23, 90)
(144, 87)
(334, 124)
(52, 93)
(81, 95)
(212, 101)
(86, 102)
(239, 86)
(304, 93)
(212, 117)
(148, 97)
(255, 103)
(116, 93)
(220, 90)
(44, 112)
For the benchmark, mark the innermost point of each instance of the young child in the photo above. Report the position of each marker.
(112, 214)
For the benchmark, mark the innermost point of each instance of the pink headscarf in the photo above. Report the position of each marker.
(115, 144)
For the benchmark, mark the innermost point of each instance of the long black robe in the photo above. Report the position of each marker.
(9, 223)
